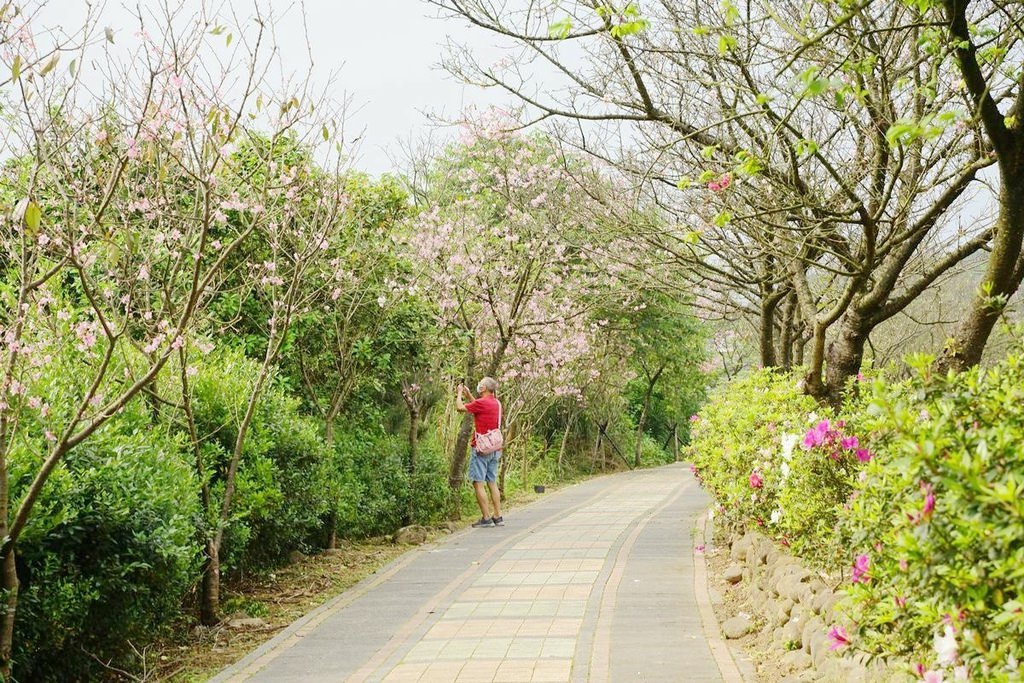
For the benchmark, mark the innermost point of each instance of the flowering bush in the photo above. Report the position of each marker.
(912, 497)
(742, 443)
(774, 459)
(939, 523)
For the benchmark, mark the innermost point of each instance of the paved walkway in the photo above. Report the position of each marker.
(592, 583)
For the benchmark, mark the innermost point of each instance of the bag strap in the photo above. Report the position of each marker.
(499, 413)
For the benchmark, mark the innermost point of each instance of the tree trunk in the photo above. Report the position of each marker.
(640, 424)
(332, 518)
(767, 332)
(814, 384)
(460, 455)
(332, 530)
(1002, 277)
(845, 355)
(10, 586)
(565, 439)
(414, 434)
(410, 462)
(209, 604)
(675, 442)
(786, 339)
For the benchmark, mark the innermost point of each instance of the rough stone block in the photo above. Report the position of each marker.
(796, 660)
(737, 627)
(810, 627)
(411, 535)
(733, 573)
(783, 609)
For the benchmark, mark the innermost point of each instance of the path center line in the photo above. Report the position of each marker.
(600, 655)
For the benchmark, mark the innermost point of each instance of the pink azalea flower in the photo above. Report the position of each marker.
(839, 637)
(860, 569)
(695, 418)
(901, 601)
(932, 677)
(929, 501)
(849, 443)
(863, 454)
(816, 436)
(755, 480)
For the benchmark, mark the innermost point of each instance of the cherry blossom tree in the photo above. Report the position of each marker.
(506, 246)
(128, 202)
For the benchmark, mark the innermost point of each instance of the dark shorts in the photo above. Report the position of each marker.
(484, 467)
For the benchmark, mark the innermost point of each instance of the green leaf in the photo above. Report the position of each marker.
(560, 29)
(50, 65)
(33, 217)
(217, 30)
(16, 68)
(806, 147)
(108, 33)
(723, 219)
(726, 43)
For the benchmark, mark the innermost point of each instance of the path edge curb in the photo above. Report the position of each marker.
(720, 650)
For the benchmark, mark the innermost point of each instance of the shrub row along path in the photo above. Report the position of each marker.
(597, 582)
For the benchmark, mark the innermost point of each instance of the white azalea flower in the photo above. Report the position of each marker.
(776, 516)
(789, 442)
(946, 648)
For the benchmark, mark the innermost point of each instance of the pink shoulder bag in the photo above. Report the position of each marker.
(491, 441)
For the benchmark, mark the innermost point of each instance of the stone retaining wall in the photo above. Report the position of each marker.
(791, 606)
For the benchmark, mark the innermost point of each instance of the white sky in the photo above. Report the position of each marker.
(387, 53)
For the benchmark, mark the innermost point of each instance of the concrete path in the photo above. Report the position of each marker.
(592, 583)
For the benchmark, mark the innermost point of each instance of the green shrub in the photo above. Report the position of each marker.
(284, 489)
(939, 523)
(374, 485)
(431, 496)
(109, 553)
